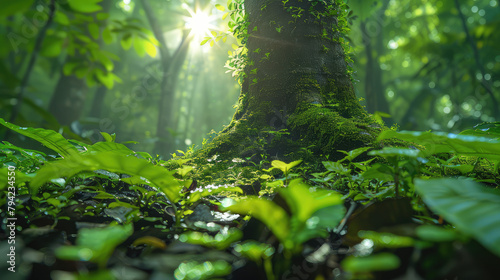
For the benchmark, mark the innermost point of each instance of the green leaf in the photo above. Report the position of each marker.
(85, 6)
(201, 271)
(184, 170)
(386, 240)
(220, 7)
(139, 46)
(351, 155)
(14, 7)
(52, 47)
(489, 130)
(48, 138)
(336, 167)
(102, 16)
(220, 241)
(95, 244)
(107, 37)
(94, 30)
(61, 18)
(436, 234)
(379, 171)
(105, 78)
(268, 212)
(254, 251)
(395, 152)
(103, 59)
(108, 137)
(150, 49)
(378, 262)
(304, 202)
(204, 42)
(113, 162)
(126, 41)
(110, 146)
(204, 192)
(285, 167)
(471, 207)
(440, 142)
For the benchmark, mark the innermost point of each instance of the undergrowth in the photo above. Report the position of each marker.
(101, 209)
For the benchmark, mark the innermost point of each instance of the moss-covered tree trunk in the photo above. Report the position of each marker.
(296, 78)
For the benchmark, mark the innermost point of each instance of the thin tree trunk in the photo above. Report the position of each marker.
(374, 47)
(171, 65)
(31, 63)
(68, 100)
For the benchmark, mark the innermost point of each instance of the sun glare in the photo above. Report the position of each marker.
(199, 22)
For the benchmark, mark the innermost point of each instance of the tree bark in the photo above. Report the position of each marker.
(296, 79)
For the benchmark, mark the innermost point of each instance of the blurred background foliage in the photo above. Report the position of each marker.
(136, 67)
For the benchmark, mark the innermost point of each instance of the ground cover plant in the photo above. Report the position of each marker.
(105, 211)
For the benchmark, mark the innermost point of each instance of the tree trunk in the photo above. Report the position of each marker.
(374, 48)
(68, 100)
(171, 65)
(296, 79)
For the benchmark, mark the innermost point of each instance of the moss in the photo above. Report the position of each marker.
(329, 132)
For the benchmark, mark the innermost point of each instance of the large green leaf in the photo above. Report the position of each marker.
(489, 130)
(268, 212)
(313, 211)
(285, 167)
(441, 142)
(95, 244)
(114, 162)
(48, 138)
(304, 202)
(472, 208)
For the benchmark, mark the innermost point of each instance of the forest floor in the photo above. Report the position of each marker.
(104, 211)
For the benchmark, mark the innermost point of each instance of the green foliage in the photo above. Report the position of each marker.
(472, 208)
(14, 7)
(197, 194)
(220, 241)
(114, 162)
(378, 262)
(440, 142)
(200, 271)
(85, 6)
(95, 245)
(312, 213)
(48, 138)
